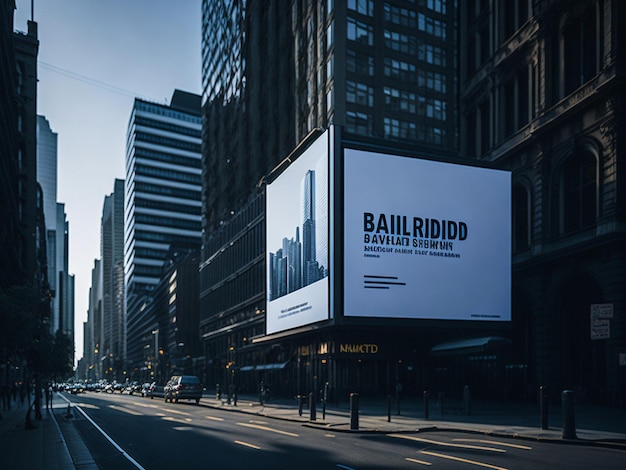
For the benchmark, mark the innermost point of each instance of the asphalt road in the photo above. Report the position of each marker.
(152, 434)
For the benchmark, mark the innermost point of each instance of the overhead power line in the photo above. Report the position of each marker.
(91, 81)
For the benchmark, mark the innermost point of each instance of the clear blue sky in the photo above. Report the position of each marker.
(94, 58)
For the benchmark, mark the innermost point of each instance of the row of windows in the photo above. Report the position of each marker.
(141, 152)
(236, 292)
(166, 126)
(166, 111)
(399, 129)
(244, 250)
(171, 222)
(167, 206)
(167, 142)
(170, 238)
(167, 191)
(168, 174)
(400, 16)
(406, 101)
(407, 72)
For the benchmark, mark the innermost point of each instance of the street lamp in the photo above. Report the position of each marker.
(155, 332)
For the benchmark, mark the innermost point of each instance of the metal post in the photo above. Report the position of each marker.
(313, 416)
(388, 408)
(425, 404)
(569, 425)
(543, 407)
(354, 411)
(300, 402)
(466, 400)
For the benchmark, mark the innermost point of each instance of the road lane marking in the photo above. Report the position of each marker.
(214, 418)
(88, 405)
(266, 428)
(247, 444)
(422, 462)
(329, 435)
(169, 410)
(504, 444)
(459, 459)
(125, 410)
(447, 444)
(146, 406)
(344, 467)
(177, 420)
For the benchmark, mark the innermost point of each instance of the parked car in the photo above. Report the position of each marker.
(183, 387)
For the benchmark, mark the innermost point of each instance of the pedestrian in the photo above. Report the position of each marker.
(398, 394)
(48, 397)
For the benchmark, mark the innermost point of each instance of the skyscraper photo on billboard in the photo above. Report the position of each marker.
(297, 241)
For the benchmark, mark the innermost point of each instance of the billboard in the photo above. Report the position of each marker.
(297, 242)
(425, 239)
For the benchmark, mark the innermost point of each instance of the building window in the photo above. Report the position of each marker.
(581, 43)
(432, 54)
(521, 218)
(364, 7)
(402, 43)
(400, 16)
(360, 64)
(516, 104)
(579, 192)
(359, 93)
(359, 123)
(515, 15)
(360, 32)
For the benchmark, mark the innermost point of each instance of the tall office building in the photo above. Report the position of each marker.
(162, 200)
(384, 70)
(113, 340)
(57, 230)
(273, 73)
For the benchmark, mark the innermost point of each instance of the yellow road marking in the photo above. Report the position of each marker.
(265, 428)
(169, 410)
(423, 462)
(241, 443)
(459, 459)
(125, 410)
(177, 420)
(214, 418)
(504, 444)
(447, 444)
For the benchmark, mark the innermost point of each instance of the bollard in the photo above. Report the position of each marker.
(569, 425)
(217, 392)
(543, 407)
(466, 400)
(425, 404)
(313, 416)
(389, 408)
(235, 398)
(354, 411)
(300, 401)
(68, 415)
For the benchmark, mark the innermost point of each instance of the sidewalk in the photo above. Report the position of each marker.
(594, 424)
(41, 447)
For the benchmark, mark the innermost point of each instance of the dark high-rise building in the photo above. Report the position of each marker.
(162, 201)
(274, 73)
(113, 332)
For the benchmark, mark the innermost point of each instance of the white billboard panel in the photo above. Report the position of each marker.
(297, 242)
(425, 239)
